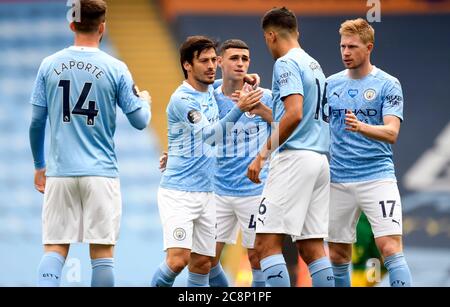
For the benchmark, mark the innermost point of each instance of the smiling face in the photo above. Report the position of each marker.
(234, 63)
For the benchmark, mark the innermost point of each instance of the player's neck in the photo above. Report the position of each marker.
(86, 41)
(197, 85)
(230, 86)
(287, 45)
(361, 72)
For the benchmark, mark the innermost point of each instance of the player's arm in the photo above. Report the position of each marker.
(392, 111)
(292, 117)
(386, 133)
(37, 140)
(260, 109)
(245, 103)
(264, 111)
(37, 127)
(286, 74)
(140, 118)
(135, 104)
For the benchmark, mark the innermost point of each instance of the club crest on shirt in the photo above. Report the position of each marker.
(194, 116)
(249, 115)
(370, 94)
(179, 234)
(352, 92)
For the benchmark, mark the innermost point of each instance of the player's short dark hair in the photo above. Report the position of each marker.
(281, 19)
(232, 43)
(192, 47)
(92, 14)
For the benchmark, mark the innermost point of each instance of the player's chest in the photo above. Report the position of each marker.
(209, 108)
(364, 100)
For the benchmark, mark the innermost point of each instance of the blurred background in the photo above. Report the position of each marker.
(412, 42)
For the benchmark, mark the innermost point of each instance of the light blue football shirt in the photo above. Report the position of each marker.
(238, 149)
(298, 73)
(81, 87)
(354, 157)
(190, 165)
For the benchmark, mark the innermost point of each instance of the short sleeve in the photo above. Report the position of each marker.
(392, 103)
(38, 95)
(287, 75)
(128, 99)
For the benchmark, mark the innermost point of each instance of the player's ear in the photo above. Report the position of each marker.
(369, 47)
(102, 28)
(219, 61)
(187, 66)
(72, 26)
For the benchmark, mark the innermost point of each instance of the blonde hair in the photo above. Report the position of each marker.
(359, 27)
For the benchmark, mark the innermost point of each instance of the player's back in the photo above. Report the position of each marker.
(298, 73)
(82, 87)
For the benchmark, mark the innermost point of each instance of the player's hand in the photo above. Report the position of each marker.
(253, 79)
(163, 161)
(248, 101)
(236, 95)
(259, 109)
(255, 168)
(39, 180)
(247, 88)
(352, 123)
(145, 96)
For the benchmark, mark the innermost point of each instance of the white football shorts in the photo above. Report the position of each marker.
(234, 213)
(378, 199)
(295, 200)
(81, 209)
(188, 220)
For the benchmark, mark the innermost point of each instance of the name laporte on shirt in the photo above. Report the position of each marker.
(80, 65)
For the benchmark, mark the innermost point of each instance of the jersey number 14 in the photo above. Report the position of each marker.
(91, 112)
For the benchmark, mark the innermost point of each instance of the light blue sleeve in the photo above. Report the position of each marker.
(188, 110)
(128, 99)
(288, 78)
(393, 99)
(217, 83)
(38, 95)
(140, 118)
(37, 135)
(267, 98)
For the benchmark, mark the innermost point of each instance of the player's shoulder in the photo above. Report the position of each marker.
(47, 61)
(386, 77)
(182, 95)
(285, 60)
(111, 61)
(337, 77)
